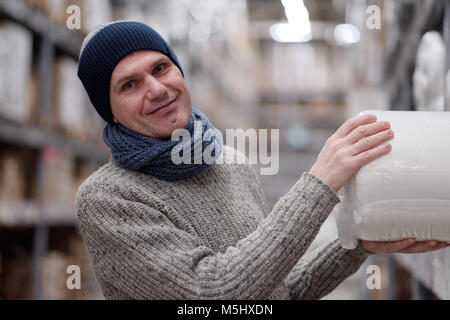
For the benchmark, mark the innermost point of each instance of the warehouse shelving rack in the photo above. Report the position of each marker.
(427, 15)
(38, 23)
(52, 38)
(399, 62)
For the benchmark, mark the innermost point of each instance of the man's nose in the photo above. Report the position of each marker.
(155, 89)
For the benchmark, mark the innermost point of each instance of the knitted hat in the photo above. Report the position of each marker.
(104, 47)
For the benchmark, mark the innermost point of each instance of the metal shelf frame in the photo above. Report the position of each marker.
(39, 138)
(52, 38)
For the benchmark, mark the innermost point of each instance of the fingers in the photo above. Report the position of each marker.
(353, 123)
(372, 154)
(425, 246)
(372, 141)
(387, 246)
(365, 137)
(396, 246)
(337, 161)
(403, 246)
(367, 130)
(442, 245)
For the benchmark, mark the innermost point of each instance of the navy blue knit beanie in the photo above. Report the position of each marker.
(104, 48)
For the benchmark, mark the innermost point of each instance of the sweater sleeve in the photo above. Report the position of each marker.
(160, 261)
(321, 271)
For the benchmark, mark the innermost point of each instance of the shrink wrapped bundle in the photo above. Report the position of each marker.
(429, 74)
(405, 193)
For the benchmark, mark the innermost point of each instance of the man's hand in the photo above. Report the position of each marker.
(357, 142)
(403, 246)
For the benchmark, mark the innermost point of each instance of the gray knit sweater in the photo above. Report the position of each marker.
(209, 237)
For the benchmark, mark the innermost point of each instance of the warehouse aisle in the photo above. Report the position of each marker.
(301, 67)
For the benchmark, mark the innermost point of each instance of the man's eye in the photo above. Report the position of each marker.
(159, 68)
(128, 85)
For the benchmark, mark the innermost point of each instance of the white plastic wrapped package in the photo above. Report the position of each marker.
(429, 74)
(405, 193)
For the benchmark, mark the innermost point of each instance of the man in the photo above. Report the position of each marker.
(156, 230)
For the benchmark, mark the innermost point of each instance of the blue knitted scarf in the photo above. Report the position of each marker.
(153, 156)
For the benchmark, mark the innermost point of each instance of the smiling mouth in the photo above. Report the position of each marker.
(164, 106)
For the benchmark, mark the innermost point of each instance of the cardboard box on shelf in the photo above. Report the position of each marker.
(16, 278)
(59, 273)
(94, 123)
(73, 112)
(57, 10)
(57, 175)
(12, 177)
(16, 187)
(33, 97)
(61, 269)
(83, 169)
(40, 5)
(69, 100)
(78, 256)
(54, 265)
(15, 68)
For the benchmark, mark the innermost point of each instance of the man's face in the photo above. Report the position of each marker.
(149, 95)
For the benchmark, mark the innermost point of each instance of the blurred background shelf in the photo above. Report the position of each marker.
(23, 13)
(416, 18)
(32, 214)
(49, 143)
(35, 137)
